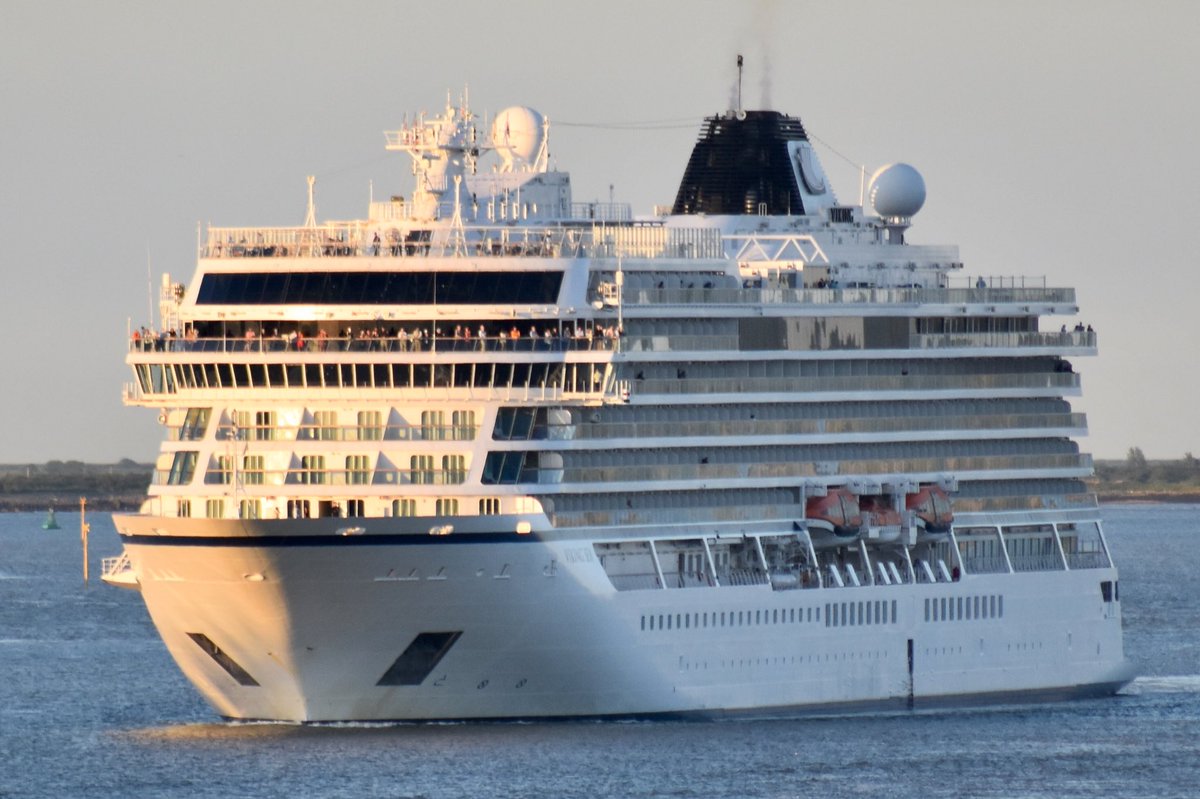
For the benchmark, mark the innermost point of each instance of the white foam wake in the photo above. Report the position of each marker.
(1165, 684)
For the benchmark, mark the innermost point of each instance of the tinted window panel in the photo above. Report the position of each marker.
(395, 288)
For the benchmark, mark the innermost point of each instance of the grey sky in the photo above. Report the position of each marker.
(1056, 139)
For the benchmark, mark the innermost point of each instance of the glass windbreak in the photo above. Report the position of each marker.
(380, 288)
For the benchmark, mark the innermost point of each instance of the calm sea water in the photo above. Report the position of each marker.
(90, 703)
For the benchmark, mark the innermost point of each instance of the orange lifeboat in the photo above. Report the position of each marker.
(837, 511)
(931, 505)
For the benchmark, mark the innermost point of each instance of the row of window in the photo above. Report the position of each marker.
(738, 618)
(837, 614)
(855, 614)
(324, 426)
(380, 288)
(154, 378)
(314, 470)
(253, 508)
(964, 608)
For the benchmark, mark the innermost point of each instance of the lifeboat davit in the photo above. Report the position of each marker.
(932, 508)
(883, 521)
(837, 512)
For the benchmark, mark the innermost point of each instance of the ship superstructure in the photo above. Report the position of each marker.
(494, 453)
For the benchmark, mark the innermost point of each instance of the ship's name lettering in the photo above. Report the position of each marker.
(579, 555)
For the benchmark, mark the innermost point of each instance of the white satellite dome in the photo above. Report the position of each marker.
(897, 190)
(517, 134)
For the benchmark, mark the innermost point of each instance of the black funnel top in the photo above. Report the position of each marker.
(739, 163)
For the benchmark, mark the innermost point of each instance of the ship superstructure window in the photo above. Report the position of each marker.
(392, 375)
(404, 507)
(370, 425)
(358, 469)
(222, 470)
(183, 468)
(380, 288)
(264, 426)
(250, 509)
(195, 424)
(355, 508)
(514, 424)
(312, 469)
(489, 506)
(253, 469)
(433, 425)
(420, 471)
(447, 506)
(324, 426)
(183, 508)
(939, 609)
(464, 425)
(506, 467)
(214, 508)
(454, 469)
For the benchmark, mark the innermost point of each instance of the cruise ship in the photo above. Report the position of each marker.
(494, 453)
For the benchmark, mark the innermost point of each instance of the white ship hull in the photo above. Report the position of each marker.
(492, 453)
(545, 634)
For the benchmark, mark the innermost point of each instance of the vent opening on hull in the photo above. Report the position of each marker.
(420, 658)
(222, 659)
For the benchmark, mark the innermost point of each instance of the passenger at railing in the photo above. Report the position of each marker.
(375, 244)
(322, 340)
(250, 336)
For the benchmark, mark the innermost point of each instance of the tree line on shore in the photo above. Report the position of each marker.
(69, 480)
(1137, 473)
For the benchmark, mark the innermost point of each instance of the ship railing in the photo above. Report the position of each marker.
(888, 424)
(998, 281)
(742, 577)
(1088, 560)
(1064, 339)
(598, 341)
(249, 479)
(985, 565)
(724, 513)
(313, 432)
(1036, 563)
(746, 385)
(634, 582)
(379, 238)
(672, 472)
(111, 567)
(679, 343)
(755, 295)
(1024, 502)
(674, 579)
